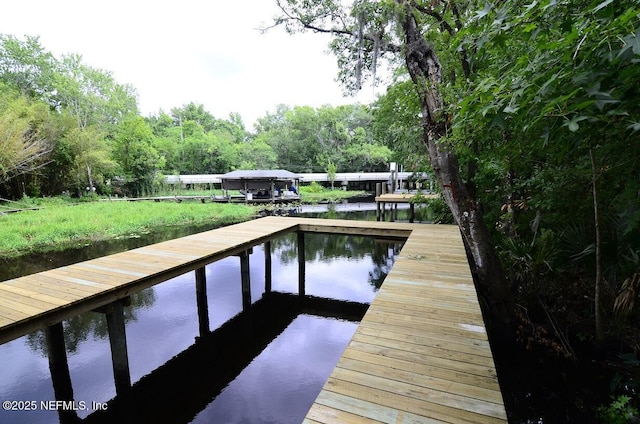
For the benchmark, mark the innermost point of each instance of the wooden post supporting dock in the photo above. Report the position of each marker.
(378, 193)
(384, 205)
(301, 264)
(59, 368)
(118, 342)
(394, 199)
(267, 266)
(412, 212)
(58, 365)
(202, 302)
(246, 280)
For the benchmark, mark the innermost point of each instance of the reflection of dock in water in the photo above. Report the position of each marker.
(178, 390)
(420, 354)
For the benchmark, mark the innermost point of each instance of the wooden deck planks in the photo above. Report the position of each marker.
(420, 354)
(38, 300)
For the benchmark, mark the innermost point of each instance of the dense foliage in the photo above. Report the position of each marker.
(314, 140)
(554, 110)
(534, 104)
(541, 106)
(67, 127)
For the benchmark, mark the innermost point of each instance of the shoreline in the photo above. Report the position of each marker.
(53, 227)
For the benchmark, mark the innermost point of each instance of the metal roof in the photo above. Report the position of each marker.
(356, 176)
(260, 174)
(304, 177)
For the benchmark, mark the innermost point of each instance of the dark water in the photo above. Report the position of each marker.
(30, 264)
(263, 365)
(365, 211)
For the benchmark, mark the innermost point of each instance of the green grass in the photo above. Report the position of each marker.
(62, 222)
(315, 193)
(35, 202)
(172, 191)
(59, 226)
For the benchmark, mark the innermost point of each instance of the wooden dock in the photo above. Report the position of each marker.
(420, 354)
(394, 198)
(402, 197)
(35, 301)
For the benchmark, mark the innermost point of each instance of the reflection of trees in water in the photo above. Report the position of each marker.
(322, 247)
(383, 257)
(285, 247)
(326, 247)
(80, 327)
(332, 213)
(422, 213)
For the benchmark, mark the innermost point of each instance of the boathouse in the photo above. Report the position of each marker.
(266, 185)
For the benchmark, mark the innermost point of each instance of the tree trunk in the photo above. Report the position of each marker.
(89, 178)
(596, 217)
(424, 68)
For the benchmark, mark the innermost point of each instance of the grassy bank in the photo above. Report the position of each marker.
(60, 223)
(315, 193)
(55, 227)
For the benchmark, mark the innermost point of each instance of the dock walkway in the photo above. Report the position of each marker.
(420, 354)
(392, 199)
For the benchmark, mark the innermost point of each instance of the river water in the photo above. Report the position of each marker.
(263, 365)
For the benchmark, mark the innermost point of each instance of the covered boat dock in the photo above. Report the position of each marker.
(275, 185)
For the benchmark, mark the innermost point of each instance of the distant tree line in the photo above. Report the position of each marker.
(66, 127)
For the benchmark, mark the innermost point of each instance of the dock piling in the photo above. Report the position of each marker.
(378, 193)
(267, 266)
(384, 205)
(246, 280)
(59, 368)
(201, 300)
(118, 342)
(301, 264)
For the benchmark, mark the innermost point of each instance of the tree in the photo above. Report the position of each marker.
(305, 139)
(91, 158)
(60, 89)
(256, 154)
(196, 113)
(167, 137)
(195, 142)
(399, 27)
(91, 95)
(24, 146)
(134, 152)
(331, 173)
(366, 157)
(26, 66)
(567, 94)
(395, 125)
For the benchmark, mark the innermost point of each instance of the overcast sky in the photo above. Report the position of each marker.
(175, 52)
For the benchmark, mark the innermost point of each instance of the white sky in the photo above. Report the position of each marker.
(174, 52)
